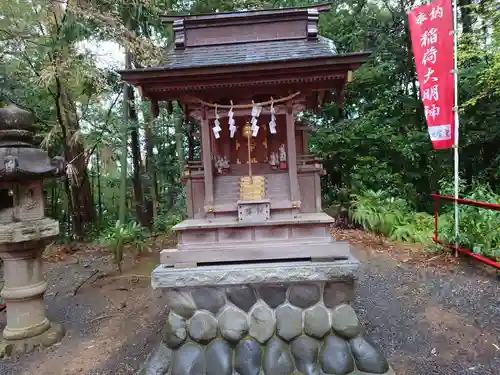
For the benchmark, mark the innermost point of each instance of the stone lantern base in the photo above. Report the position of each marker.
(13, 348)
(27, 325)
(263, 319)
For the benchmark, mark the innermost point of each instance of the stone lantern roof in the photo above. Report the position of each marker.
(19, 159)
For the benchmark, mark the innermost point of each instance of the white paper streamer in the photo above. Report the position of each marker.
(216, 129)
(255, 114)
(232, 127)
(272, 123)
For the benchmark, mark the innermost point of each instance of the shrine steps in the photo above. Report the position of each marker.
(225, 239)
(315, 250)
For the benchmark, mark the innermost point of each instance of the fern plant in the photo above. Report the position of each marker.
(479, 228)
(379, 213)
(165, 222)
(376, 212)
(119, 235)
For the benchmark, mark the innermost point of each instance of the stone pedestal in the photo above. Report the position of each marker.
(27, 325)
(263, 319)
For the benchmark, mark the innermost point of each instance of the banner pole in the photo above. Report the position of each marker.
(455, 108)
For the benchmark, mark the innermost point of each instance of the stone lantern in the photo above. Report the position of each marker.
(24, 233)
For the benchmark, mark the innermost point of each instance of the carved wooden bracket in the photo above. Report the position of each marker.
(180, 34)
(312, 23)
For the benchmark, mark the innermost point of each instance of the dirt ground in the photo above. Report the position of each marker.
(429, 314)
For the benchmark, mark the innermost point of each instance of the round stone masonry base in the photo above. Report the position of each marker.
(292, 328)
(15, 348)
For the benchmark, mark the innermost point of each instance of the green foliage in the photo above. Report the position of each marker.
(377, 212)
(479, 227)
(380, 141)
(118, 236)
(165, 222)
(377, 143)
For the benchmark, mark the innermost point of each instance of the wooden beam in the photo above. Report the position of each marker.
(340, 98)
(155, 108)
(207, 160)
(292, 155)
(280, 109)
(262, 250)
(305, 142)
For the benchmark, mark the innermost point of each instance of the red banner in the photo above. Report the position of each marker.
(431, 28)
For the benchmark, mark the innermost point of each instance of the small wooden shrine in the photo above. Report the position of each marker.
(243, 77)
(256, 284)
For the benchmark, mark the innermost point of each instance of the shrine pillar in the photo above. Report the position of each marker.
(207, 162)
(292, 156)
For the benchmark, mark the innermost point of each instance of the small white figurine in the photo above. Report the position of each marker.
(273, 160)
(282, 156)
(218, 164)
(225, 163)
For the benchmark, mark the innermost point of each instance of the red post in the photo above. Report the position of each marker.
(436, 217)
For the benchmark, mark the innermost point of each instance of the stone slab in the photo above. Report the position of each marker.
(28, 230)
(260, 250)
(254, 273)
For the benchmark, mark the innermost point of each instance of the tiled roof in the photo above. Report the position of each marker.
(245, 53)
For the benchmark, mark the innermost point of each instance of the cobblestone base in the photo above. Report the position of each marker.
(304, 328)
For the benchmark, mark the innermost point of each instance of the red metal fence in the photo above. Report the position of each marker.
(466, 202)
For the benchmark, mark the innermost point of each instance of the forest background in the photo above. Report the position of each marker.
(124, 167)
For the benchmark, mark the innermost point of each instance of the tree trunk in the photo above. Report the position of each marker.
(149, 163)
(82, 212)
(466, 16)
(82, 209)
(99, 192)
(140, 206)
(410, 70)
(122, 205)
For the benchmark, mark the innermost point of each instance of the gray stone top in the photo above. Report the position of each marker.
(254, 273)
(19, 159)
(16, 127)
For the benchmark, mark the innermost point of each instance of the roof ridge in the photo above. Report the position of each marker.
(323, 7)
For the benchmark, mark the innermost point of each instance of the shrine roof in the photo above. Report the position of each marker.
(247, 53)
(278, 46)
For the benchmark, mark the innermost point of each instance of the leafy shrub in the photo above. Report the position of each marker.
(418, 227)
(377, 212)
(119, 235)
(479, 227)
(165, 222)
